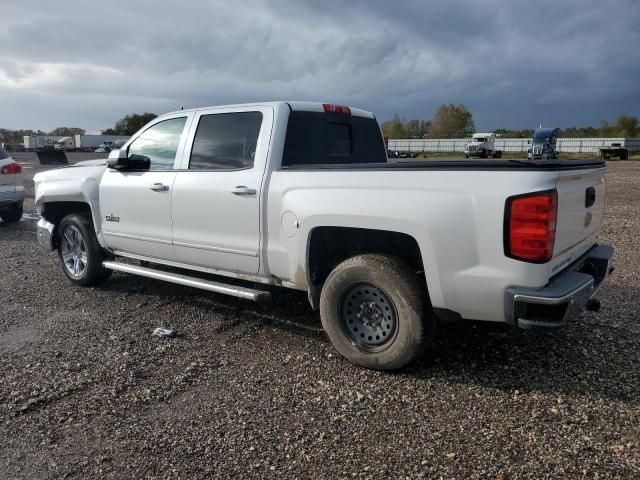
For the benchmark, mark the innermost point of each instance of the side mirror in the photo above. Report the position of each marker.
(120, 160)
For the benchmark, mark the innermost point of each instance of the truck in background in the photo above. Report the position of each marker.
(40, 142)
(482, 145)
(65, 143)
(87, 143)
(92, 142)
(544, 145)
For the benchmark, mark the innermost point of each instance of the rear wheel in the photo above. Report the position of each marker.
(12, 214)
(373, 309)
(79, 251)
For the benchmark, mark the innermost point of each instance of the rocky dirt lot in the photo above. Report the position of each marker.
(246, 392)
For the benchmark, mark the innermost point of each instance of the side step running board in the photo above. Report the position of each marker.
(217, 287)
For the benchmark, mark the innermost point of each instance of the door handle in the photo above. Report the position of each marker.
(159, 187)
(242, 190)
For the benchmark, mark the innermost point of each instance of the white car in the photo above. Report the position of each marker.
(300, 195)
(11, 188)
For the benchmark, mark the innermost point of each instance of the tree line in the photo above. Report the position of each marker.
(456, 121)
(449, 121)
(128, 125)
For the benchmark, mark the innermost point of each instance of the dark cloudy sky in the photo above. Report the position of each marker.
(513, 63)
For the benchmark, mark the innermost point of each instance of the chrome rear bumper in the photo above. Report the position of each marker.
(564, 296)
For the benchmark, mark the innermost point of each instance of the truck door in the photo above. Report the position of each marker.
(216, 194)
(136, 204)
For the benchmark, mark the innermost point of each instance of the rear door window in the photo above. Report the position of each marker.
(226, 141)
(317, 138)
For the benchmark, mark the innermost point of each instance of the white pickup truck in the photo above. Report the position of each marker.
(301, 195)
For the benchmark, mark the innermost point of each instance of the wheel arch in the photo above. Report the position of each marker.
(328, 246)
(54, 211)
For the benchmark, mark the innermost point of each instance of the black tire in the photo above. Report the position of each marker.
(13, 214)
(380, 276)
(85, 250)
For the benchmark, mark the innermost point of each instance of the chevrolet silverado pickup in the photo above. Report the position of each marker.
(301, 195)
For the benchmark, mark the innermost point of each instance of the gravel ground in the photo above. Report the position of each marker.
(248, 392)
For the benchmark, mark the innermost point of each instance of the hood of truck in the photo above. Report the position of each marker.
(91, 163)
(75, 183)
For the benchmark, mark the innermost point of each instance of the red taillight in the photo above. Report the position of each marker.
(331, 108)
(11, 168)
(530, 228)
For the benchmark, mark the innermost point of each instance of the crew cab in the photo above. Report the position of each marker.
(301, 195)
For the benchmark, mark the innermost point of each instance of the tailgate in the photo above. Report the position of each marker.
(580, 209)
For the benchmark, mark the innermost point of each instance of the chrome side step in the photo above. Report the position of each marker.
(211, 286)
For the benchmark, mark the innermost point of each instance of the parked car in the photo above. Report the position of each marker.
(544, 144)
(11, 188)
(300, 195)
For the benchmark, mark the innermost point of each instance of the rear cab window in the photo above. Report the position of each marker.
(327, 138)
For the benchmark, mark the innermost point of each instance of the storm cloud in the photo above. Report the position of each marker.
(513, 63)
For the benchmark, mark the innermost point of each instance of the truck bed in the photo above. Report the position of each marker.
(463, 164)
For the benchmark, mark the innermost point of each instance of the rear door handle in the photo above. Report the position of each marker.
(243, 190)
(159, 187)
(590, 197)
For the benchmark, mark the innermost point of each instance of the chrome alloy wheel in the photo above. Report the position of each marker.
(74, 251)
(368, 316)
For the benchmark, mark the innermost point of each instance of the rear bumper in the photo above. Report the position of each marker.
(564, 296)
(9, 198)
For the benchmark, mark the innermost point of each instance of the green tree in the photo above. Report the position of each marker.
(16, 137)
(66, 131)
(130, 124)
(400, 128)
(394, 128)
(452, 121)
(627, 126)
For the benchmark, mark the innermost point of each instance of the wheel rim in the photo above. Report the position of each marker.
(74, 251)
(368, 316)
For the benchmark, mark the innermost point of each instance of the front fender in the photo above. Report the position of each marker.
(65, 185)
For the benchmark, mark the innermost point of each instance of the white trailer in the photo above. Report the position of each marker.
(40, 142)
(91, 142)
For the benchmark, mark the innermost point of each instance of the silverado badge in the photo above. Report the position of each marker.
(112, 218)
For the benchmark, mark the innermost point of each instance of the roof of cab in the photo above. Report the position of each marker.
(293, 105)
(545, 132)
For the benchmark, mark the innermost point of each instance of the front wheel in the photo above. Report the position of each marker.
(79, 251)
(374, 310)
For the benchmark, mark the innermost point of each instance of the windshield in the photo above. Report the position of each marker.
(539, 140)
(480, 140)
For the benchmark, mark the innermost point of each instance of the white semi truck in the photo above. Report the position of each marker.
(482, 145)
